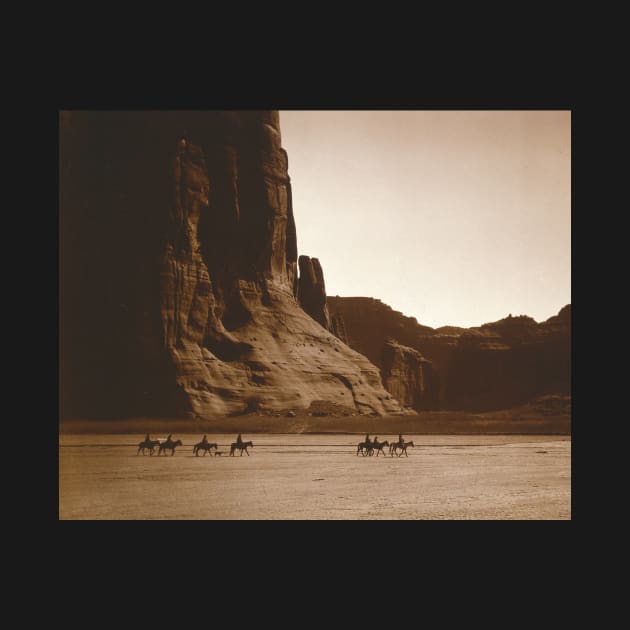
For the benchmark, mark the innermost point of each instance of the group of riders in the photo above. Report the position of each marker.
(369, 447)
(239, 441)
(369, 442)
(203, 446)
(204, 440)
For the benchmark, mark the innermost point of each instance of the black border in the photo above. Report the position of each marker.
(382, 89)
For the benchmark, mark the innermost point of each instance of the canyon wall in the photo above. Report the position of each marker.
(182, 293)
(179, 287)
(312, 290)
(409, 377)
(497, 365)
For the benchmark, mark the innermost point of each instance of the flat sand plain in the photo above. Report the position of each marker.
(317, 477)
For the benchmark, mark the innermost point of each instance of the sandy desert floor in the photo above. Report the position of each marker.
(318, 477)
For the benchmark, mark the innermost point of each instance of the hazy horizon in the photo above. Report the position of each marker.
(453, 217)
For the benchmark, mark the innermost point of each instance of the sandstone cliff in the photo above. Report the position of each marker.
(409, 377)
(312, 290)
(497, 365)
(179, 274)
(338, 327)
(511, 361)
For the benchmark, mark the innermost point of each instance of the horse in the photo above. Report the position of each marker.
(378, 447)
(150, 444)
(370, 447)
(240, 445)
(169, 445)
(394, 446)
(205, 447)
(403, 449)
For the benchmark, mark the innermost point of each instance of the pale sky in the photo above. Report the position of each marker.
(453, 217)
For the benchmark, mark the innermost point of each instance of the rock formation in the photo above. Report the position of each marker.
(179, 274)
(369, 323)
(409, 377)
(312, 297)
(511, 361)
(312, 290)
(497, 365)
(338, 327)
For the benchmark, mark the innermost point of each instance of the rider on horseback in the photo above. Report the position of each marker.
(401, 442)
(367, 439)
(239, 439)
(147, 439)
(204, 440)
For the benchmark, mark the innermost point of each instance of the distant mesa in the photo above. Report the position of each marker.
(495, 366)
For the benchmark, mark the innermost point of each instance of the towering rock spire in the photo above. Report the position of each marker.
(312, 290)
(201, 251)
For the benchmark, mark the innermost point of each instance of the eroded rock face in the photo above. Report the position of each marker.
(338, 327)
(313, 299)
(409, 377)
(497, 365)
(181, 274)
(312, 290)
(369, 323)
(511, 361)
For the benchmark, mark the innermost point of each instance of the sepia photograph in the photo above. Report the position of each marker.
(315, 314)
